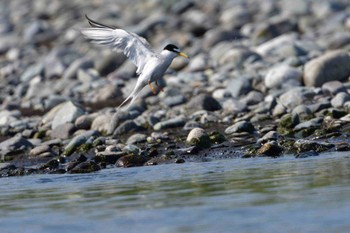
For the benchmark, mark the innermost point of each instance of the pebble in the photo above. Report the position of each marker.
(270, 149)
(172, 101)
(238, 86)
(171, 123)
(283, 76)
(68, 112)
(14, 144)
(198, 137)
(339, 100)
(332, 66)
(203, 102)
(85, 167)
(126, 127)
(136, 138)
(79, 140)
(333, 88)
(311, 124)
(242, 126)
(131, 161)
(63, 131)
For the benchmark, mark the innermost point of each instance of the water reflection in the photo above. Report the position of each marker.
(226, 186)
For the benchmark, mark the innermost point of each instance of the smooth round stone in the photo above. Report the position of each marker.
(199, 63)
(242, 126)
(39, 150)
(311, 124)
(68, 112)
(271, 149)
(221, 94)
(253, 97)
(333, 87)
(203, 102)
(283, 76)
(198, 137)
(136, 138)
(332, 66)
(239, 86)
(171, 123)
(339, 100)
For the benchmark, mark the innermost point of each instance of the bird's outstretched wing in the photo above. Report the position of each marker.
(136, 48)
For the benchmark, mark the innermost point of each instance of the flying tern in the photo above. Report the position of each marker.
(151, 66)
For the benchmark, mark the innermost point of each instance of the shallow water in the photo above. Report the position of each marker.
(235, 195)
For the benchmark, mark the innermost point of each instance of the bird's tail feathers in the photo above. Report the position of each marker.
(132, 97)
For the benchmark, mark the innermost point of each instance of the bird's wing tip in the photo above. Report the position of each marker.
(96, 24)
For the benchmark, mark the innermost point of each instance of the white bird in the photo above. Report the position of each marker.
(151, 66)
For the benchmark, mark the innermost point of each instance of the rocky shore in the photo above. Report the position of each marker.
(265, 78)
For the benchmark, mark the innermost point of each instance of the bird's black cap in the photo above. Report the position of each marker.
(172, 48)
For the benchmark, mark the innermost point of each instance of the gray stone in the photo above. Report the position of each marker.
(87, 76)
(339, 100)
(172, 101)
(241, 126)
(234, 17)
(203, 102)
(191, 125)
(84, 121)
(199, 63)
(198, 137)
(332, 66)
(333, 87)
(79, 140)
(32, 71)
(253, 97)
(68, 112)
(181, 6)
(293, 98)
(117, 118)
(283, 76)
(296, 7)
(126, 127)
(302, 111)
(221, 94)
(109, 62)
(136, 138)
(63, 131)
(85, 167)
(284, 45)
(238, 55)
(171, 123)
(234, 106)
(238, 86)
(101, 123)
(53, 66)
(108, 95)
(269, 136)
(53, 100)
(39, 150)
(311, 124)
(14, 145)
(72, 70)
(270, 149)
(217, 35)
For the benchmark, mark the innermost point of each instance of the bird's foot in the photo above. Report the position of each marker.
(152, 88)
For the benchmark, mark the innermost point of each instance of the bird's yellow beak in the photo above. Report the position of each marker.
(183, 55)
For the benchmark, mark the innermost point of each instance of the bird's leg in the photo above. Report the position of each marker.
(152, 88)
(160, 88)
